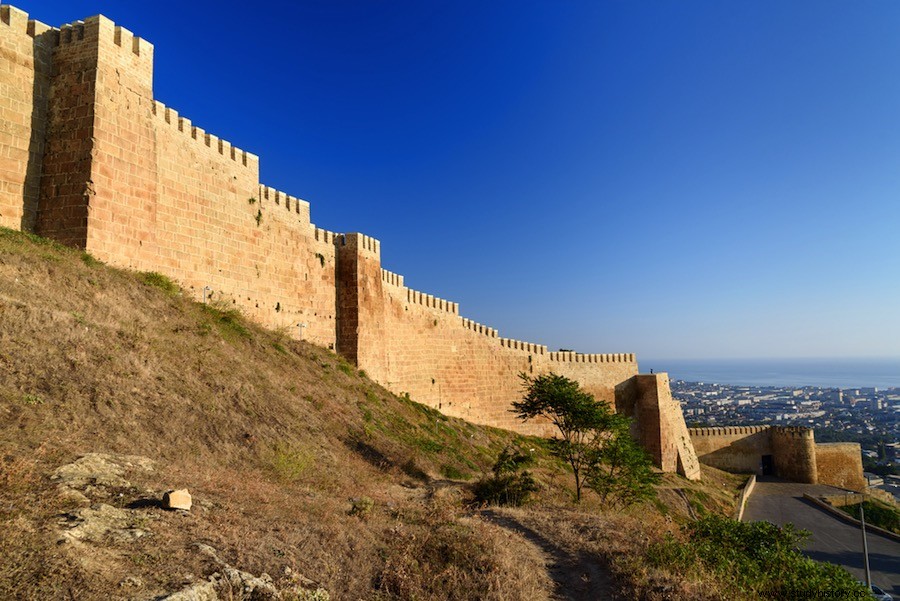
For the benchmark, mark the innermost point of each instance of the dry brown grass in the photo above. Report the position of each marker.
(275, 439)
(274, 436)
(615, 542)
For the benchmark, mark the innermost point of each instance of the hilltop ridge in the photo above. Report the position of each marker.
(295, 458)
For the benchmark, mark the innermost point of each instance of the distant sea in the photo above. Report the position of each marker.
(831, 373)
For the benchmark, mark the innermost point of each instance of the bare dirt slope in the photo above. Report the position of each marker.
(307, 478)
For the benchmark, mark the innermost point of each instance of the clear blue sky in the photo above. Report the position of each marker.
(675, 179)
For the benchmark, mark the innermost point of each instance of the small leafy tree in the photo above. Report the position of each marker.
(508, 486)
(624, 473)
(583, 423)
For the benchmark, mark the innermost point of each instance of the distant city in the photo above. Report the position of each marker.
(870, 416)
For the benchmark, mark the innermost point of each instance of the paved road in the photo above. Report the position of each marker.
(832, 539)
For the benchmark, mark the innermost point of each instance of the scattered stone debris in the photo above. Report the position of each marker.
(236, 585)
(96, 488)
(89, 481)
(131, 582)
(177, 499)
(199, 591)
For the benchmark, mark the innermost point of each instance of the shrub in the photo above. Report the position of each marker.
(877, 514)
(361, 507)
(756, 558)
(507, 485)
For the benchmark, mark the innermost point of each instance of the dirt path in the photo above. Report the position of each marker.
(578, 576)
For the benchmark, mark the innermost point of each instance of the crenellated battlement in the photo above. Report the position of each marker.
(361, 242)
(291, 203)
(326, 236)
(573, 357)
(394, 279)
(728, 430)
(36, 28)
(169, 117)
(369, 243)
(479, 328)
(18, 20)
(792, 431)
(432, 302)
(127, 40)
(14, 18)
(528, 347)
(97, 29)
(71, 33)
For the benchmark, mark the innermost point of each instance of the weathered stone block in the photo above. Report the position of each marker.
(177, 499)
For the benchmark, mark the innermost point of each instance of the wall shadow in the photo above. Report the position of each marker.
(42, 55)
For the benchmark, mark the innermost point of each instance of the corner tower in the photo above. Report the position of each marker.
(99, 161)
(360, 303)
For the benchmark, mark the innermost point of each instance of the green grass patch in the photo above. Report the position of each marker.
(346, 367)
(366, 412)
(158, 280)
(877, 514)
(290, 464)
(229, 322)
(89, 260)
(454, 473)
(32, 399)
(428, 445)
(41, 241)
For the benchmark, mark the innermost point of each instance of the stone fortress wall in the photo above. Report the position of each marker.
(794, 454)
(88, 157)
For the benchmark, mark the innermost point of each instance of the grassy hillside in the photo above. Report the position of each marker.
(299, 465)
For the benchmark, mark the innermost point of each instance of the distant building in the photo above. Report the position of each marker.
(873, 479)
